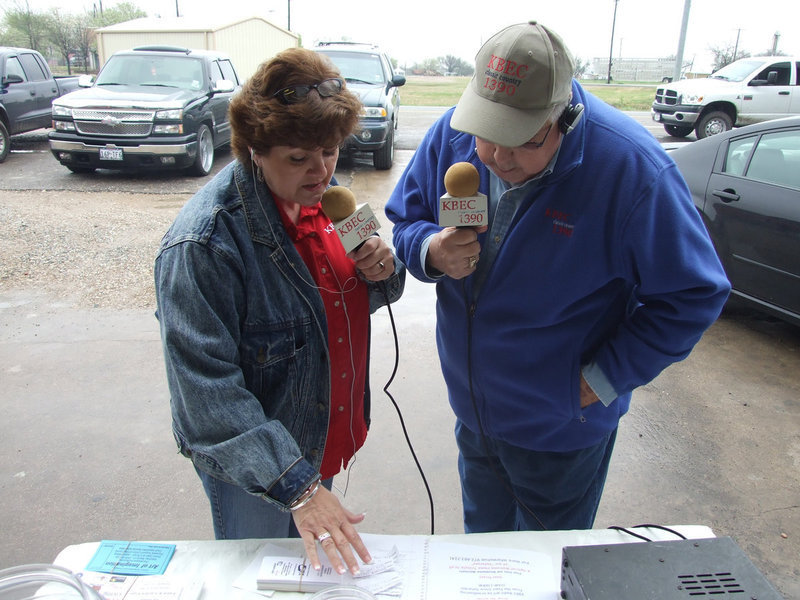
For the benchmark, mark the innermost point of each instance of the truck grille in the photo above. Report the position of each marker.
(123, 123)
(665, 96)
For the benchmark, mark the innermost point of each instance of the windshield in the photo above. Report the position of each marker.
(737, 71)
(358, 66)
(164, 71)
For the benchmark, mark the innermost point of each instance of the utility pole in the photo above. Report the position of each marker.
(288, 15)
(775, 37)
(736, 47)
(676, 72)
(611, 51)
(177, 12)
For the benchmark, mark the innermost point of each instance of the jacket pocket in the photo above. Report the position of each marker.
(276, 364)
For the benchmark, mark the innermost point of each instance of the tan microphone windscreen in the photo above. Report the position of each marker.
(462, 180)
(338, 203)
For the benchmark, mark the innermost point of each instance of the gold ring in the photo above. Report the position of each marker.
(473, 260)
(382, 266)
(323, 536)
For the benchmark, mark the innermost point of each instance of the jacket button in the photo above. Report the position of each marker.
(314, 453)
(320, 407)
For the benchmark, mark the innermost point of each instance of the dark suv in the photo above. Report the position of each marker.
(368, 72)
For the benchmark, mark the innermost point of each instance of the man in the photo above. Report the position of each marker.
(594, 275)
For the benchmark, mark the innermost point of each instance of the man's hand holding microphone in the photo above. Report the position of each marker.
(455, 250)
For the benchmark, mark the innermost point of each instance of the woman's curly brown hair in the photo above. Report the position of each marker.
(261, 121)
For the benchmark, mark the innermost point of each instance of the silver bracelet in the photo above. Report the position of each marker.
(305, 497)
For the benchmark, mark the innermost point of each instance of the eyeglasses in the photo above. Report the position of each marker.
(534, 145)
(296, 93)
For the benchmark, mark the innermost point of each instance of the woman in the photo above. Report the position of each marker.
(265, 320)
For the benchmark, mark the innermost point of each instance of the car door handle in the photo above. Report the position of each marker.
(726, 195)
(783, 93)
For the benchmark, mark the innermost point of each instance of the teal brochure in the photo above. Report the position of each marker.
(131, 558)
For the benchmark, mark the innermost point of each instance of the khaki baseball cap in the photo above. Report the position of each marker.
(521, 74)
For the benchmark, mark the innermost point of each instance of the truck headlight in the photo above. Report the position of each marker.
(691, 99)
(374, 112)
(63, 125)
(168, 128)
(61, 111)
(173, 114)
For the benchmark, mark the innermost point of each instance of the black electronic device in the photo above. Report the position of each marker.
(570, 117)
(710, 569)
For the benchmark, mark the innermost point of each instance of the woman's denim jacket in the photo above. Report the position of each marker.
(245, 340)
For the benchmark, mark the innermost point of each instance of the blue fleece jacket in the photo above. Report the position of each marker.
(607, 262)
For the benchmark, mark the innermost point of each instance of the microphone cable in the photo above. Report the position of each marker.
(382, 286)
(484, 442)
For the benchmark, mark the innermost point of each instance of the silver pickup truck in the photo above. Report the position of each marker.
(27, 90)
(747, 91)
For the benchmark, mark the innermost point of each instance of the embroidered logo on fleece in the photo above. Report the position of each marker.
(561, 222)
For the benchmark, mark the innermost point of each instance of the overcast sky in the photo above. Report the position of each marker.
(413, 30)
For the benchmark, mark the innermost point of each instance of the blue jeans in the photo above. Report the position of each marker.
(239, 515)
(515, 489)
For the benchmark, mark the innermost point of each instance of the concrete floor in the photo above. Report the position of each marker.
(87, 454)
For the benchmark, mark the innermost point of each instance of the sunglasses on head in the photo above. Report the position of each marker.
(296, 93)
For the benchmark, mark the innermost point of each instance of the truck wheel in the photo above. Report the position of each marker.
(678, 131)
(382, 159)
(205, 152)
(713, 123)
(5, 142)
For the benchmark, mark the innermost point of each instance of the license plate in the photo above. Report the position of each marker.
(110, 153)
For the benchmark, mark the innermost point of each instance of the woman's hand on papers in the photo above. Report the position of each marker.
(326, 522)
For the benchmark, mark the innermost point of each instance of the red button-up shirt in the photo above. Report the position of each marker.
(346, 302)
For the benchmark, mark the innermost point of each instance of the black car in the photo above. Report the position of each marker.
(368, 72)
(153, 107)
(746, 185)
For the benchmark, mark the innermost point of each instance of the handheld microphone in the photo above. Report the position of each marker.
(463, 205)
(353, 224)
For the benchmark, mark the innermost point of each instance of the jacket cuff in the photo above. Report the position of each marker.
(291, 484)
(599, 383)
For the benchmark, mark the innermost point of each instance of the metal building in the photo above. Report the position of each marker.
(248, 41)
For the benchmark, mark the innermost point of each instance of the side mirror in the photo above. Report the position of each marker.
(223, 86)
(772, 78)
(12, 78)
(85, 80)
(396, 81)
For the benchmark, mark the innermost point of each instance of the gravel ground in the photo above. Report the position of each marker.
(91, 250)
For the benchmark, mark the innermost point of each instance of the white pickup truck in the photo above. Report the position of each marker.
(747, 91)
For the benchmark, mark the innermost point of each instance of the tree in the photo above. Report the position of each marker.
(725, 55)
(63, 31)
(60, 33)
(124, 11)
(429, 66)
(25, 27)
(581, 67)
(453, 65)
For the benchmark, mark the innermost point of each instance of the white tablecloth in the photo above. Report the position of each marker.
(219, 563)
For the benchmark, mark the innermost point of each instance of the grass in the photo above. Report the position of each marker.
(445, 91)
